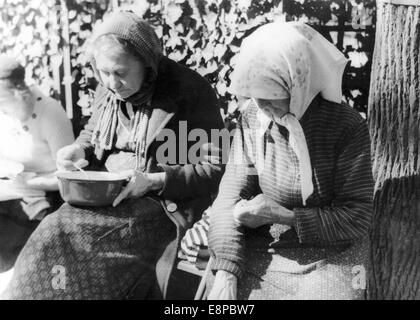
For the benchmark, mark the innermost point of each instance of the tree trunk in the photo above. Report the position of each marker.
(394, 121)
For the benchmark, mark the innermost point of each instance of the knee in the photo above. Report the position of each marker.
(58, 224)
(50, 221)
(50, 225)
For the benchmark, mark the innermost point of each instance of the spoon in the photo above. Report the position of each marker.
(81, 170)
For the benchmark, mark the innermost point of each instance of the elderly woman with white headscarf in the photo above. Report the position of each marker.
(295, 203)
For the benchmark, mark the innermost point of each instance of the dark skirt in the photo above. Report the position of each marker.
(16, 228)
(93, 253)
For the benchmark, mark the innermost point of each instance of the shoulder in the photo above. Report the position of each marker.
(342, 121)
(50, 111)
(341, 114)
(45, 105)
(181, 81)
(42, 99)
(193, 95)
(179, 72)
(333, 119)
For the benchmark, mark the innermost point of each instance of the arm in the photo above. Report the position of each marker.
(262, 210)
(186, 181)
(226, 236)
(57, 131)
(82, 150)
(198, 177)
(85, 136)
(56, 128)
(202, 178)
(349, 215)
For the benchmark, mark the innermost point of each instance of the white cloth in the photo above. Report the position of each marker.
(289, 61)
(17, 188)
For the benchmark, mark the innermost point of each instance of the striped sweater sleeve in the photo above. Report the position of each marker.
(196, 238)
(349, 215)
(226, 237)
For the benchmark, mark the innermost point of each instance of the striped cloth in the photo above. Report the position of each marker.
(195, 239)
(339, 211)
(104, 134)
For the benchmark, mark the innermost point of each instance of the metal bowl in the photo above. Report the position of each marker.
(90, 188)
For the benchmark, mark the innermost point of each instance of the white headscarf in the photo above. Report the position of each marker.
(289, 60)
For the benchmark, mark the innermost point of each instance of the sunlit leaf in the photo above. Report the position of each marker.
(173, 12)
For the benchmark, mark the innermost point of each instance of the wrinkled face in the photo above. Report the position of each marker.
(120, 72)
(275, 109)
(14, 102)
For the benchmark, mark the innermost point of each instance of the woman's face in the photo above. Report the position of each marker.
(120, 72)
(275, 109)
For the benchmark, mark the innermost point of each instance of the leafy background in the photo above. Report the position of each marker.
(202, 34)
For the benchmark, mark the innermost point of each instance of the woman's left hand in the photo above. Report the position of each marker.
(141, 183)
(260, 211)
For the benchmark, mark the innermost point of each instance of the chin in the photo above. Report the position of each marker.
(123, 95)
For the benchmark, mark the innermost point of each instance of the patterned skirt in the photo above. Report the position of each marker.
(93, 253)
(15, 229)
(304, 273)
(16, 226)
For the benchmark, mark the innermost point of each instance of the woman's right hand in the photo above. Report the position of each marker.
(224, 286)
(262, 210)
(70, 155)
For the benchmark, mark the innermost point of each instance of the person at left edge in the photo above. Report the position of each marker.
(33, 127)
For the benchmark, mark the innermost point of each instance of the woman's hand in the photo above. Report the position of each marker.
(68, 155)
(224, 287)
(141, 183)
(43, 183)
(260, 211)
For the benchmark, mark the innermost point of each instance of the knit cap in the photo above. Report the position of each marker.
(130, 27)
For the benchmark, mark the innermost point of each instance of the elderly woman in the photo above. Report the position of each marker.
(33, 128)
(128, 250)
(295, 203)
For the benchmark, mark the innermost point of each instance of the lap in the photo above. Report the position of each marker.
(306, 273)
(102, 250)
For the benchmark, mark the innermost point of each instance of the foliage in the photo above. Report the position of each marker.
(202, 34)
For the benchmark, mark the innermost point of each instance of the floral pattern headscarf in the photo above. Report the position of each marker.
(289, 60)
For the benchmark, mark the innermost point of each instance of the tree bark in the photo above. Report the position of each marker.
(394, 122)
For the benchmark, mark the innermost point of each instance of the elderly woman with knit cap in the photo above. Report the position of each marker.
(295, 203)
(127, 250)
(33, 128)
